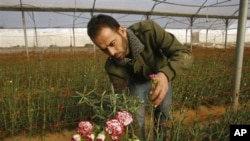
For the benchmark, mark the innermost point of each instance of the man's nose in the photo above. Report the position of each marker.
(111, 51)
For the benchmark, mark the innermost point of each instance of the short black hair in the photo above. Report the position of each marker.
(99, 21)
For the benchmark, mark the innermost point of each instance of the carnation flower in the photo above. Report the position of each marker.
(154, 80)
(151, 76)
(114, 128)
(76, 137)
(85, 129)
(124, 117)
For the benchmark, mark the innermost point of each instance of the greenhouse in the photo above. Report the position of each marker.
(52, 75)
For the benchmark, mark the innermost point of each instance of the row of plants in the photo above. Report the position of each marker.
(38, 96)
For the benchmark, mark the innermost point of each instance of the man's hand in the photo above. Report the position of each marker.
(158, 93)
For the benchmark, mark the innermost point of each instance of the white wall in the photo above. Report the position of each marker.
(64, 37)
(46, 37)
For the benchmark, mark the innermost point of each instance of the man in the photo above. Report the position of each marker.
(135, 52)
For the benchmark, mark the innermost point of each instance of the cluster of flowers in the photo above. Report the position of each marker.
(114, 127)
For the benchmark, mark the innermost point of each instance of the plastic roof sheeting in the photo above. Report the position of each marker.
(175, 14)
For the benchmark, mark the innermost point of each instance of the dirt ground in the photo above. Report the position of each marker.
(63, 136)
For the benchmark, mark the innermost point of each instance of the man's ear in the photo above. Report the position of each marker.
(122, 31)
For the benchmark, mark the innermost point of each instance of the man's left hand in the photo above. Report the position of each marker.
(158, 93)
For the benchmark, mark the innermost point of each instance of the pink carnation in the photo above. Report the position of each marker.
(114, 127)
(85, 128)
(124, 117)
(152, 76)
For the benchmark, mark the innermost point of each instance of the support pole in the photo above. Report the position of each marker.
(191, 33)
(92, 14)
(34, 20)
(239, 51)
(206, 36)
(74, 38)
(24, 30)
(226, 33)
(186, 36)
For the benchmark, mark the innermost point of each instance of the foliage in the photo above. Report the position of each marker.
(106, 105)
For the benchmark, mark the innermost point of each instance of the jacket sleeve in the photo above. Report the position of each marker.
(179, 57)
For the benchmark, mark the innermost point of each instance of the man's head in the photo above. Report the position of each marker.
(108, 35)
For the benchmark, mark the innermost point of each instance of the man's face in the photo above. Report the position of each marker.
(114, 43)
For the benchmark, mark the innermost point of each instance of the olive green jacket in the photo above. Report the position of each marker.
(162, 53)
